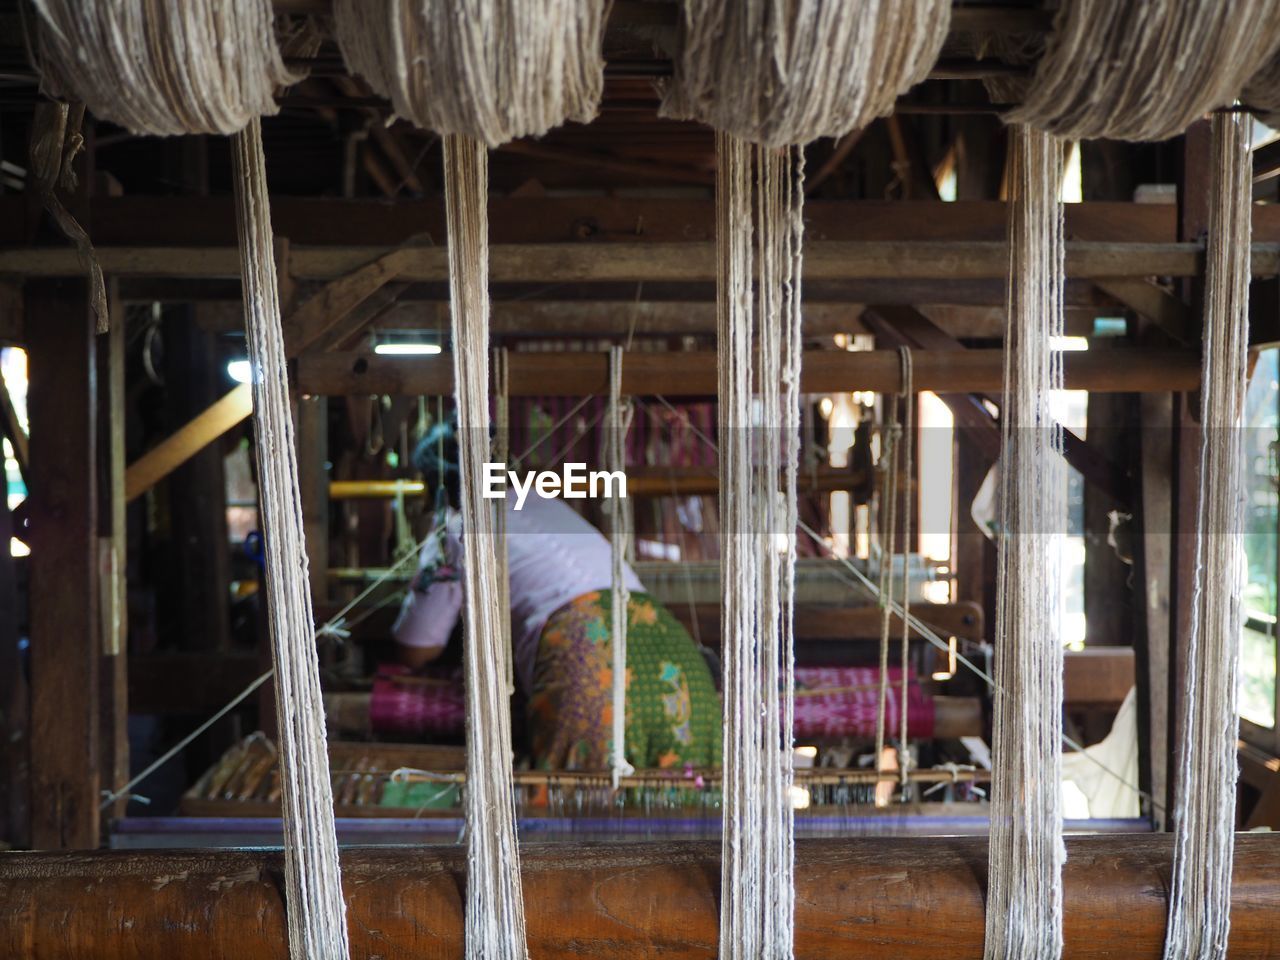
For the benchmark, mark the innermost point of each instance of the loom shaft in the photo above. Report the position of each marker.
(906, 899)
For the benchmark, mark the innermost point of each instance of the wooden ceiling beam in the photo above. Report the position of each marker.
(327, 221)
(644, 262)
(693, 373)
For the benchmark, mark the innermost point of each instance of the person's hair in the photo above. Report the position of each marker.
(436, 458)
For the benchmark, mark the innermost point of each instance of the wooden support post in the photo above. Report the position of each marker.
(872, 898)
(198, 496)
(313, 482)
(65, 636)
(113, 541)
(693, 373)
(1107, 607)
(15, 706)
(1152, 560)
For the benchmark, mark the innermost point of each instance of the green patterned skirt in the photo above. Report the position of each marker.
(673, 710)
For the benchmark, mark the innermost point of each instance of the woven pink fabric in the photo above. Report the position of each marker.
(849, 709)
(411, 706)
(434, 705)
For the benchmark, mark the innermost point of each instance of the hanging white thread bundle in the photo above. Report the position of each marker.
(759, 194)
(786, 73)
(776, 74)
(494, 70)
(619, 422)
(163, 67)
(480, 72)
(495, 925)
(313, 887)
(1024, 889)
(1204, 814)
(1145, 69)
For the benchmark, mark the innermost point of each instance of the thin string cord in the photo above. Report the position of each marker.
(620, 412)
(501, 452)
(907, 440)
(888, 467)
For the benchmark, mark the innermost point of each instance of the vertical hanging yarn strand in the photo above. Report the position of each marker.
(619, 544)
(741, 904)
(501, 453)
(758, 211)
(1024, 894)
(1204, 816)
(906, 440)
(784, 227)
(313, 889)
(495, 925)
(888, 466)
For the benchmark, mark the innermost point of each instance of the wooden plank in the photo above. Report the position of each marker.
(873, 898)
(65, 637)
(1097, 676)
(1157, 304)
(693, 373)
(195, 584)
(328, 221)
(849, 623)
(1152, 571)
(313, 488)
(646, 318)
(162, 459)
(635, 262)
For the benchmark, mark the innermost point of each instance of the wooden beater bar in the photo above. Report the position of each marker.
(871, 898)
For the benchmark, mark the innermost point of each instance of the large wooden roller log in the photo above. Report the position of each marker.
(864, 898)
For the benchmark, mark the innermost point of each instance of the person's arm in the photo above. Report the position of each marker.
(427, 616)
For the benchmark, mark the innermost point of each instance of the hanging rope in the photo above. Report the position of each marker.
(480, 72)
(786, 73)
(1145, 69)
(1204, 814)
(494, 70)
(161, 67)
(775, 75)
(888, 467)
(313, 888)
(1024, 886)
(759, 195)
(895, 461)
(495, 925)
(619, 422)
